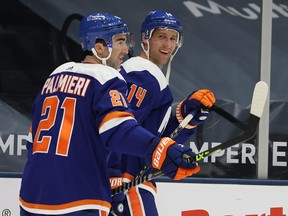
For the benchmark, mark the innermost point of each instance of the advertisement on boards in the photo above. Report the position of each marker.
(190, 199)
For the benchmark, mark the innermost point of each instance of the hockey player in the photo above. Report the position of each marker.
(80, 114)
(151, 98)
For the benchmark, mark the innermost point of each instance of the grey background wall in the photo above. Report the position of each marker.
(221, 52)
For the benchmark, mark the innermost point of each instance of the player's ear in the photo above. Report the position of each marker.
(99, 48)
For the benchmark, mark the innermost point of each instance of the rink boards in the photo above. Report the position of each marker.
(194, 197)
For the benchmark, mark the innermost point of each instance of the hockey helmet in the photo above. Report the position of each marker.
(101, 26)
(164, 20)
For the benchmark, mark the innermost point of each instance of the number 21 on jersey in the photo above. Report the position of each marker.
(50, 109)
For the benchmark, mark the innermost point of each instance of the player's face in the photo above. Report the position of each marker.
(119, 50)
(162, 45)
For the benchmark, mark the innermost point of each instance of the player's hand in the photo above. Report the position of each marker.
(170, 158)
(198, 104)
(117, 199)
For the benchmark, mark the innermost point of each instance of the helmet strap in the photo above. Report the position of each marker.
(148, 48)
(103, 60)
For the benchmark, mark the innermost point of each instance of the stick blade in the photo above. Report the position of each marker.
(259, 98)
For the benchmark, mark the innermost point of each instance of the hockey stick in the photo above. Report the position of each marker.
(229, 117)
(223, 113)
(256, 110)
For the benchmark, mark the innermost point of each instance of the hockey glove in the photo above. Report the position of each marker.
(168, 157)
(198, 104)
(117, 199)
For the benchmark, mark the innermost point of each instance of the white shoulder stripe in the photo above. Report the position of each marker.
(138, 64)
(100, 72)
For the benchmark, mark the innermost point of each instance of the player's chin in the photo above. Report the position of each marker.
(118, 63)
(120, 60)
(165, 57)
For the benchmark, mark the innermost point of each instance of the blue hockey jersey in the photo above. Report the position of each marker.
(80, 114)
